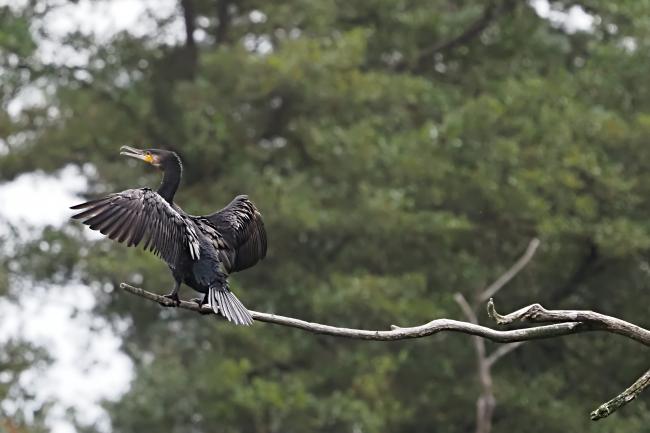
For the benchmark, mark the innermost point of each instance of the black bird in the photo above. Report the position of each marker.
(201, 251)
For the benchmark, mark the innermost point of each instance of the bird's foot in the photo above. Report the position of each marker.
(172, 297)
(202, 301)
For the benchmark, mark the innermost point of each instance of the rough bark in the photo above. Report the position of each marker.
(623, 398)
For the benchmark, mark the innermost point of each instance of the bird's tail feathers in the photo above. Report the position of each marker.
(224, 302)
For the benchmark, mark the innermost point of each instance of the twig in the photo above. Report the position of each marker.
(502, 351)
(504, 279)
(467, 310)
(606, 409)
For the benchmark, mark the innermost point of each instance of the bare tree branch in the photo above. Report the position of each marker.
(189, 16)
(486, 402)
(504, 279)
(536, 313)
(224, 20)
(502, 351)
(622, 399)
(464, 305)
(190, 50)
(493, 10)
(595, 321)
(570, 322)
(399, 333)
(572, 325)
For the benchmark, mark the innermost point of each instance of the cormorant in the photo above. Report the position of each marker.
(201, 251)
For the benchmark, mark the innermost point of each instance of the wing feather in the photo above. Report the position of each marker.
(112, 224)
(138, 216)
(241, 225)
(96, 221)
(123, 232)
(138, 230)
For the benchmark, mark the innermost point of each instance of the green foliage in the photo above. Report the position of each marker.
(390, 177)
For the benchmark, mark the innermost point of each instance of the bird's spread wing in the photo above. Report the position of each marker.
(242, 228)
(141, 215)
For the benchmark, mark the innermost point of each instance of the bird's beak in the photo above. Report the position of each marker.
(136, 153)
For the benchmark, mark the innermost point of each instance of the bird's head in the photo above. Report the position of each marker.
(156, 157)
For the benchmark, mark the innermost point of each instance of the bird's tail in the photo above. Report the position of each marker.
(224, 302)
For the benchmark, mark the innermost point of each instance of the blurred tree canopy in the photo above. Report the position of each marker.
(400, 152)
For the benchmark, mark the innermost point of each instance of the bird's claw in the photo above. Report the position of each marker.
(201, 302)
(172, 297)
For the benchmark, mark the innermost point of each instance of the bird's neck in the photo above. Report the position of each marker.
(172, 173)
